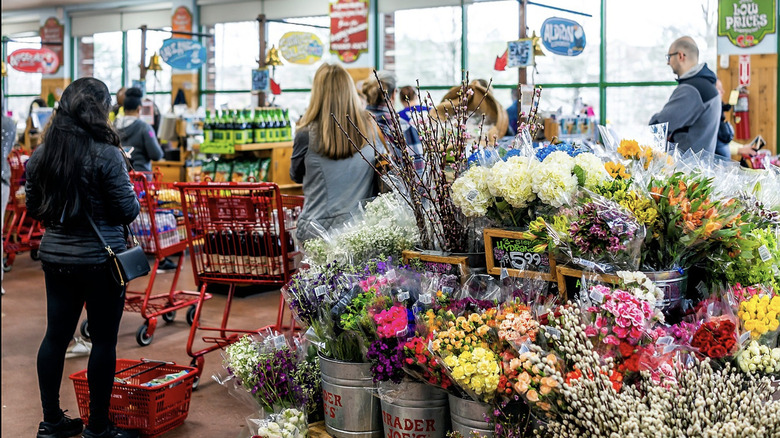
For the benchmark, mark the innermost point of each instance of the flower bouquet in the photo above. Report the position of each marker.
(760, 316)
(716, 338)
(757, 358)
(528, 372)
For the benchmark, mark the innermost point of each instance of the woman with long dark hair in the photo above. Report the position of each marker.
(80, 172)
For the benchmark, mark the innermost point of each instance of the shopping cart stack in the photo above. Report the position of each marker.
(161, 232)
(240, 234)
(21, 233)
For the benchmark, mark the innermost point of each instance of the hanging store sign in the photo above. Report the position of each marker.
(260, 80)
(40, 60)
(52, 36)
(183, 54)
(349, 29)
(520, 53)
(563, 37)
(301, 47)
(746, 22)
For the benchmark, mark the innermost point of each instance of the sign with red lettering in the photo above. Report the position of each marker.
(349, 29)
(40, 60)
(331, 402)
(52, 36)
(744, 70)
(181, 21)
(399, 427)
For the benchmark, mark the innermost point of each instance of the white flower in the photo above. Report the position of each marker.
(470, 192)
(513, 180)
(553, 180)
(593, 167)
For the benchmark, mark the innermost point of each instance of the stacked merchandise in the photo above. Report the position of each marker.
(240, 127)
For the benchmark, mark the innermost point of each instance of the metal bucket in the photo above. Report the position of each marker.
(351, 410)
(674, 284)
(414, 409)
(468, 417)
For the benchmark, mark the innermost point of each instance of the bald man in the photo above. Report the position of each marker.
(694, 108)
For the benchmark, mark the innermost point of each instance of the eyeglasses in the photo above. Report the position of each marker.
(669, 55)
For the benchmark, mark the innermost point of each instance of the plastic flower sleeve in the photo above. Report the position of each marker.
(516, 324)
(530, 372)
(480, 291)
(718, 335)
(288, 423)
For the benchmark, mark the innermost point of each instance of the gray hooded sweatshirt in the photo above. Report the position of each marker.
(693, 111)
(140, 136)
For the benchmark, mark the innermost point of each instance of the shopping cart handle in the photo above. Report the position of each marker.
(144, 362)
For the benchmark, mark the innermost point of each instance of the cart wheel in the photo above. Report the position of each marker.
(6, 266)
(170, 316)
(35, 254)
(84, 329)
(191, 314)
(196, 381)
(142, 337)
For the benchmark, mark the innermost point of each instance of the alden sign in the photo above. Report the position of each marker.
(563, 37)
(746, 22)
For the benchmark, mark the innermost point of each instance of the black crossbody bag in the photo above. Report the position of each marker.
(127, 265)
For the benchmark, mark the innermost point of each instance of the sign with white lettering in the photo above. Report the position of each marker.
(746, 22)
(520, 53)
(183, 54)
(519, 254)
(40, 60)
(563, 37)
(52, 36)
(349, 29)
(301, 47)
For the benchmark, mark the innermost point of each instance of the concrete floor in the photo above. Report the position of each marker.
(213, 412)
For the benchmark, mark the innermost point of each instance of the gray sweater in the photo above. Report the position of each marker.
(332, 188)
(693, 111)
(140, 136)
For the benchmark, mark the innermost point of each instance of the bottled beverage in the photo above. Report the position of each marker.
(208, 134)
(275, 247)
(246, 125)
(287, 130)
(226, 252)
(273, 134)
(211, 249)
(263, 127)
(260, 261)
(256, 126)
(218, 127)
(243, 263)
(235, 126)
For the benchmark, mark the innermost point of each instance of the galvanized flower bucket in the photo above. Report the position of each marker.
(351, 409)
(414, 409)
(468, 417)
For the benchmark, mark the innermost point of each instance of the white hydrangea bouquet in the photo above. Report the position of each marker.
(510, 190)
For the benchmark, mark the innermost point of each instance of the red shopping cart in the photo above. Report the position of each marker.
(161, 233)
(239, 234)
(21, 233)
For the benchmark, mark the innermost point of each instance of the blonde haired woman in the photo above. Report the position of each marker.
(334, 175)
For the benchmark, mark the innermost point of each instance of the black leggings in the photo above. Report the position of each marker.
(68, 287)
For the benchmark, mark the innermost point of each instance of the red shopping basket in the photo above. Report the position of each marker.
(152, 410)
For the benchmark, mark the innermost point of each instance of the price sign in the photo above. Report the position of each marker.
(439, 263)
(511, 251)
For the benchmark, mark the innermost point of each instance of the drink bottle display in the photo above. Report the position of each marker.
(246, 125)
(208, 134)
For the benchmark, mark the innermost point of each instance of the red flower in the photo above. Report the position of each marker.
(716, 352)
(729, 343)
(626, 349)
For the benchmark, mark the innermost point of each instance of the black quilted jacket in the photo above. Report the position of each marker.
(111, 202)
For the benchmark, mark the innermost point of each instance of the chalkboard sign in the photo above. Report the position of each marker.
(440, 263)
(511, 250)
(570, 281)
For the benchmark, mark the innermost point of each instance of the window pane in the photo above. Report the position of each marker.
(233, 100)
(490, 26)
(557, 69)
(155, 81)
(236, 47)
(629, 119)
(637, 46)
(20, 82)
(18, 107)
(107, 59)
(85, 57)
(292, 75)
(427, 46)
(568, 102)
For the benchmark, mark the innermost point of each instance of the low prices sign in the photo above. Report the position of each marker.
(349, 29)
(40, 60)
(746, 22)
(182, 53)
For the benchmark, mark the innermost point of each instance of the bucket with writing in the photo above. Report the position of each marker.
(351, 410)
(469, 417)
(414, 410)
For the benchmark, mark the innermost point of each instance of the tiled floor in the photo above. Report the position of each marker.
(213, 412)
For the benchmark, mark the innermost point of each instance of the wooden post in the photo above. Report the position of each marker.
(522, 77)
(143, 53)
(261, 97)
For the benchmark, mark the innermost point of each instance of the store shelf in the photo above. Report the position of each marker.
(263, 146)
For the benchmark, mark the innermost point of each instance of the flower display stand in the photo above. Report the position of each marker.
(513, 251)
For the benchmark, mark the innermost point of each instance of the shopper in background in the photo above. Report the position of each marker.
(120, 101)
(694, 108)
(511, 112)
(408, 95)
(726, 147)
(80, 172)
(334, 175)
(8, 140)
(378, 107)
(137, 134)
